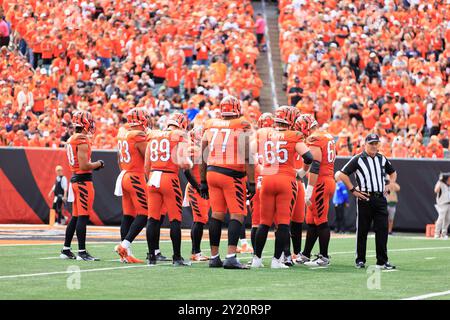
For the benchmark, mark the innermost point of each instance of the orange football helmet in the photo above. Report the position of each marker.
(196, 134)
(285, 114)
(297, 114)
(230, 106)
(84, 119)
(138, 117)
(178, 120)
(304, 123)
(266, 120)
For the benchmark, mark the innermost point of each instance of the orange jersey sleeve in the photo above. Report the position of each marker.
(325, 142)
(130, 159)
(226, 141)
(72, 152)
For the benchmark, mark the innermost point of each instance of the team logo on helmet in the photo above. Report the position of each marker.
(304, 123)
(138, 116)
(196, 134)
(230, 106)
(266, 120)
(285, 114)
(178, 120)
(84, 119)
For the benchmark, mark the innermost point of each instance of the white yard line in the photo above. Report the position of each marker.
(68, 272)
(396, 250)
(429, 295)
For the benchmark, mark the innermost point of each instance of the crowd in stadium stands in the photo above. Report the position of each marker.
(380, 66)
(109, 56)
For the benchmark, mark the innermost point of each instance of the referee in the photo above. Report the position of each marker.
(371, 168)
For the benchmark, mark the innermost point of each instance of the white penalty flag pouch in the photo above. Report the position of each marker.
(118, 190)
(155, 179)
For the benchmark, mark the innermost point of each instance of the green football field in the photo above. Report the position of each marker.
(35, 272)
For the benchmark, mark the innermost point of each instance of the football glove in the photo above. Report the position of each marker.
(203, 190)
(102, 165)
(251, 190)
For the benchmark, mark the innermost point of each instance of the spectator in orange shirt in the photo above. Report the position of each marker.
(417, 119)
(370, 115)
(20, 140)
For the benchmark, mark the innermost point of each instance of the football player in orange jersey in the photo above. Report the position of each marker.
(265, 125)
(81, 187)
(277, 150)
(225, 170)
(131, 183)
(320, 190)
(167, 151)
(200, 207)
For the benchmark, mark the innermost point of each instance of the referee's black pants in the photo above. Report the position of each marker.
(374, 210)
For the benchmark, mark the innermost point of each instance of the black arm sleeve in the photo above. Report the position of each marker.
(190, 178)
(388, 166)
(350, 166)
(308, 157)
(315, 167)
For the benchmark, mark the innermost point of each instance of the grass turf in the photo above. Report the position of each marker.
(423, 267)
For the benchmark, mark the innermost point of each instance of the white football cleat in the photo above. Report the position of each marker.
(278, 264)
(301, 259)
(257, 262)
(320, 261)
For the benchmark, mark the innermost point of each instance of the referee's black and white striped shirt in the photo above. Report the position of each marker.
(370, 172)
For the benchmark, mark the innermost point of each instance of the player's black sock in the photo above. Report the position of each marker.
(242, 235)
(70, 231)
(81, 232)
(296, 236)
(158, 232)
(152, 233)
(323, 231)
(311, 237)
(136, 227)
(260, 239)
(125, 225)
(234, 230)
(253, 236)
(215, 231)
(281, 239)
(175, 236)
(196, 236)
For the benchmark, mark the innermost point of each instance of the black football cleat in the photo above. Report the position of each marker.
(151, 259)
(233, 263)
(215, 262)
(161, 258)
(67, 254)
(360, 265)
(85, 256)
(179, 262)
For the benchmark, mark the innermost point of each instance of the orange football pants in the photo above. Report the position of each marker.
(255, 204)
(169, 195)
(299, 210)
(278, 195)
(134, 198)
(317, 212)
(199, 206)
(84, 194)
(227, 192)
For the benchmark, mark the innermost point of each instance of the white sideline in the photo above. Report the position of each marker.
(429, 295)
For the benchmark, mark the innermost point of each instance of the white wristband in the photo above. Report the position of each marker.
(308, 192)
(301, 173)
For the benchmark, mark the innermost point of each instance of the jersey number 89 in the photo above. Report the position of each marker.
(160, 150)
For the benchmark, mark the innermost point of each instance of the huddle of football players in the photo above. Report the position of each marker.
(227, 164)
